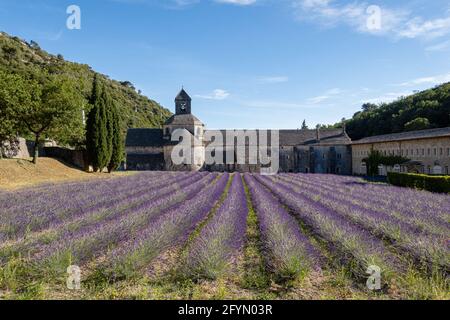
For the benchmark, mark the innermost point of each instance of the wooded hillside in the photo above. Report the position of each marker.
(424, 110)
(29, 60)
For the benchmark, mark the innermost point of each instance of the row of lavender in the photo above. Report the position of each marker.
(349, 216)
(411, 222)
(120, 226)
(214, 249)
(100, 225)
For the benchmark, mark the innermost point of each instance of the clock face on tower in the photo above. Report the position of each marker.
(183, 106)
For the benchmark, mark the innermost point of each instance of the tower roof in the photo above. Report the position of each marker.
(182, 96)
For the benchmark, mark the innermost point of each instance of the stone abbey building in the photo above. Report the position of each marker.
(306, 151)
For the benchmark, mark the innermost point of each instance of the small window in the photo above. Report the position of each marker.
(441, 151)
(429, 151)
(435, 151)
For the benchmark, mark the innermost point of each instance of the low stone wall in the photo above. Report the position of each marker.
(22, 150)
(76, 158)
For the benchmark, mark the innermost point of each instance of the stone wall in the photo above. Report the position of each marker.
(323, 159)
(430, 153)
(76, 158)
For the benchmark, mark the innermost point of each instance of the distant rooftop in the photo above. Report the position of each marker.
(305, 137)
(182, 95)
(144, 138)
(411, 135)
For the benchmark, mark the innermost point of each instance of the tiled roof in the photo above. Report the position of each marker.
(182, 95)
(302, 137)
(411, 135)
(297, 137)
(144, 138)
(181, 119)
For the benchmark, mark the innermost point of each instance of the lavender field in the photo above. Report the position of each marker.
(160, 235)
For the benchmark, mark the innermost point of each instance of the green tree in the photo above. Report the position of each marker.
(304, 125)
(376, 158)
(117, 141)
(96, 128)
(110, 114)
(417, 124)
(12, 93)
(37, 108)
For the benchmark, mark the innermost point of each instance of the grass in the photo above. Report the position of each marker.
(255, 275)
(21, 173)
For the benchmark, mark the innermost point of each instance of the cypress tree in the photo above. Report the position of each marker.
(96, 128)
(117, 141)
(109, 121)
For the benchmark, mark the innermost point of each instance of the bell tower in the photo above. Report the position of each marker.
(182, 103)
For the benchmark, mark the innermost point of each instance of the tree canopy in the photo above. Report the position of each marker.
(39, 69)
(423, 110)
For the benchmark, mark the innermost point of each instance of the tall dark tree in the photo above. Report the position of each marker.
(96, 128)
(304, 125)
(117, 155)
(109, 112)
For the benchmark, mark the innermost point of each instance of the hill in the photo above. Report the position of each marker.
(136, 111)
(424, 110)
(20, 173)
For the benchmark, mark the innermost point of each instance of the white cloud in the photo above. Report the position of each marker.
(274, 79)
(237, 2)
(387, 97)
(418, 27)
(398, 23)
(327, 95)
(443, 46)
(218, 94)
(317, 100)
(431, 80)
(272, 104)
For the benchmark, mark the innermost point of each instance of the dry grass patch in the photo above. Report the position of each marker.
(21, 173)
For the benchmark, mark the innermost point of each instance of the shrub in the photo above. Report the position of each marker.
(439, 184)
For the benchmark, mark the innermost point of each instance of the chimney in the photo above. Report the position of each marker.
(344, 128)
(318, 134)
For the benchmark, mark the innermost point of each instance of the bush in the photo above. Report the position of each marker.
(439, 184)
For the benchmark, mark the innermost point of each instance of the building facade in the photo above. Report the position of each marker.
(301, 150)
(427, 150)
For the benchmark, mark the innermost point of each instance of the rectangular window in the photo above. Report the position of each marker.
(435, 151)
(441, 151)
(429, 151)
(423, 152)
(407, 152)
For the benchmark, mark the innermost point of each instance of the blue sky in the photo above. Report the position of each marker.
(251, 63)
